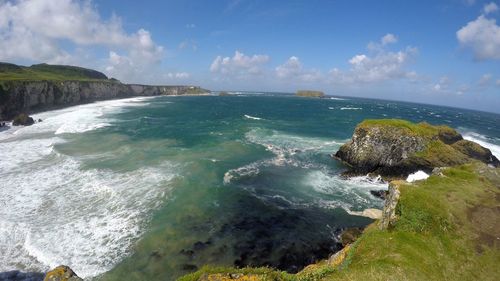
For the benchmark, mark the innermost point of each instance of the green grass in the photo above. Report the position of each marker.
(421, 129)
(447, 230)
(12, 72)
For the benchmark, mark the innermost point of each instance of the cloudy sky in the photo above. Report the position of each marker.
(439, 52)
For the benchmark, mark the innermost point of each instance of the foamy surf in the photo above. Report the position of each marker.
(483, 141)
(352, 194)
(55, 210)
(350, 108)
(252, 117)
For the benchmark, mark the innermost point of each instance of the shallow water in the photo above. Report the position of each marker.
(152, 188)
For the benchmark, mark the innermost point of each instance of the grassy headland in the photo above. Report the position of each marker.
(46, 72)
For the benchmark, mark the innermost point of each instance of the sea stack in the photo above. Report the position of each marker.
(393, 147)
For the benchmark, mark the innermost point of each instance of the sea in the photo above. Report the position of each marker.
(152, 188)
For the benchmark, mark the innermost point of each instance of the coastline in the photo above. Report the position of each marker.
(18, 97)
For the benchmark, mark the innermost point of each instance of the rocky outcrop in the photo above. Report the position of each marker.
(397, 148)
(62, 273)
(23, 120)
(389, 216)
(30, 96)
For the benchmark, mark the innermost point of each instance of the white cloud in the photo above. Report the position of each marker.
(442, 85)
(485, 80)
(37, 29)
(292, 69)
(188, 44)
(490, 8)
(498, 82)
(482, 36)
(240, 65)
(381, 66)
(178, 75)
(387, 39)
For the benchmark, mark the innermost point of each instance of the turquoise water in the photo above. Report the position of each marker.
(153, 188)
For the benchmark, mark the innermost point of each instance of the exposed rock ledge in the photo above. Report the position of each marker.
(392, 147)
(30, 96)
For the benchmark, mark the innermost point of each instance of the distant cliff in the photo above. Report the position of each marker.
(43, 87)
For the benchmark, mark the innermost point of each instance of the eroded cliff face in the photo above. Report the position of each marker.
(25, 96)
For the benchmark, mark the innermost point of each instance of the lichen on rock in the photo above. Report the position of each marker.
(62, 273)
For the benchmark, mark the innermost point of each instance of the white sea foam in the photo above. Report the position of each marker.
(419, 175)
(64, 214)
(352, 194)
(483, 141)
(335, 98)
(351, 108)
(54, 210)
(252, 117)
(285, 148)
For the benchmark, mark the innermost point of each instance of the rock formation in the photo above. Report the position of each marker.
(23, 120)
(392, 147)
(62, 273)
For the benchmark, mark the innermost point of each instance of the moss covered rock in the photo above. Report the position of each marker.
(23, 120)
(62, 273)
(393, 147)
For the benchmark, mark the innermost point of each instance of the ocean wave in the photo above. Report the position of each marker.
(252, 117)
(76, 119)
(484, 141)
(285, 147)
(352, 194)
(87, 219)
(335, 98)
(351, 108)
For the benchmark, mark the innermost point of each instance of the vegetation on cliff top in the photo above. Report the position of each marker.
(448, 229)
(12, 72)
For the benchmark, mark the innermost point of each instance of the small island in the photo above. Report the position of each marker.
(310, 94)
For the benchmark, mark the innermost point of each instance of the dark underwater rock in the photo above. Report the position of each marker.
(379, 193)
(16, 275)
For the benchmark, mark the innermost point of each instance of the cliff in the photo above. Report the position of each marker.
(392, 147)
(42, 87)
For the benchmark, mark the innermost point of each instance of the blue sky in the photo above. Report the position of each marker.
(439, 52)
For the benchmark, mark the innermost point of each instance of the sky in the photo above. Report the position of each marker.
(437, 52)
